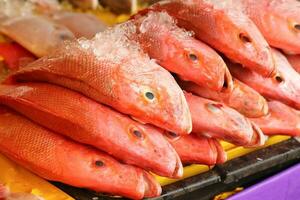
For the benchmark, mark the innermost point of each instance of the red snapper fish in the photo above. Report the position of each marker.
(278, 21)
(38, 35)
(56, 158)
(94, 124)
(294, 60)
(179, 52)
(281, 119)
(242, 97)
(113, 70)
(194, 149)
(224, 26)
(283, 87)
(216, 120)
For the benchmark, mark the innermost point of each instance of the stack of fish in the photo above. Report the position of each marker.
(101, 113)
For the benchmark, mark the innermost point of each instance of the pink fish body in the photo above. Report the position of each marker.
(284, 87)
(56, 158)
(294, 60)
(216, 120)
(94, 124)
(242, 98)
(112, 70)
(224, 26)
(179, 52)
(281, 119)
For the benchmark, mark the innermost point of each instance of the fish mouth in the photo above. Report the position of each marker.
(265, 107)
(178, 171)
(221, 154)
(258, 139)
(228, 82)
(152, 187)
(186, 122)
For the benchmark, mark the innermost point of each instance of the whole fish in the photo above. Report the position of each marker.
(56, 158)
(294, 60)
(74, 21)
(214, 119)
(194, 149)
(283, 87)
(37, 34)
(242, 97)
(278, 21)
(53, 107)
(224, 26)
(281, 119)
(112, 70)
(179, 52)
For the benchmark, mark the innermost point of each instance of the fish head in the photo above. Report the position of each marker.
(153, 94)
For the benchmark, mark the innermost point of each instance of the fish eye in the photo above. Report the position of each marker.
(172, 135)
(137, 133)
(193, 57)
(99, 163)
(244, 38)
(279, 79)
(297, 26)
(149, 95)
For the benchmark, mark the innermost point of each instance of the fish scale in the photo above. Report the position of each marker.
(115, 73)
(66, 161)
(62, 110)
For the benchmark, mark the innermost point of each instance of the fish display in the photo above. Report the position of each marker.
(224, 26)
(284, 87)
(278, 21)
(114, 71)
(194, 149)
(242, 97)
(53, 107)
(281, 119)
(60, 159)
(179, 52)
(224, 123)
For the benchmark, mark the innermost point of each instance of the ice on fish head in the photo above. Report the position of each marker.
(140, 85)
(178, 51)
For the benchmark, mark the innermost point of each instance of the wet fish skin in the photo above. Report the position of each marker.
(242, 98)
(194, 149)
(30, 32)
(294, 60)
(74, 21)
(278, 20)
(179, 52)
(224, 26)
(113, 71)
(56, 158)
(284, 87)
(214, 119)
(94, 124)
(281, 119)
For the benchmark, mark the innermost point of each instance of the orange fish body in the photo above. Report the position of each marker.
(225, 27)
(31, 31)
(282, 119)
(74, 21)
(112, 70)
(284, 87)
(176, 50)
(278, 21)
(55, 158)
(194, 149)
(242, 98)
(294, 60)
(213, 119)
(53, 107)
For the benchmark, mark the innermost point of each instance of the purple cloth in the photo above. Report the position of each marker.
(282, 186)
